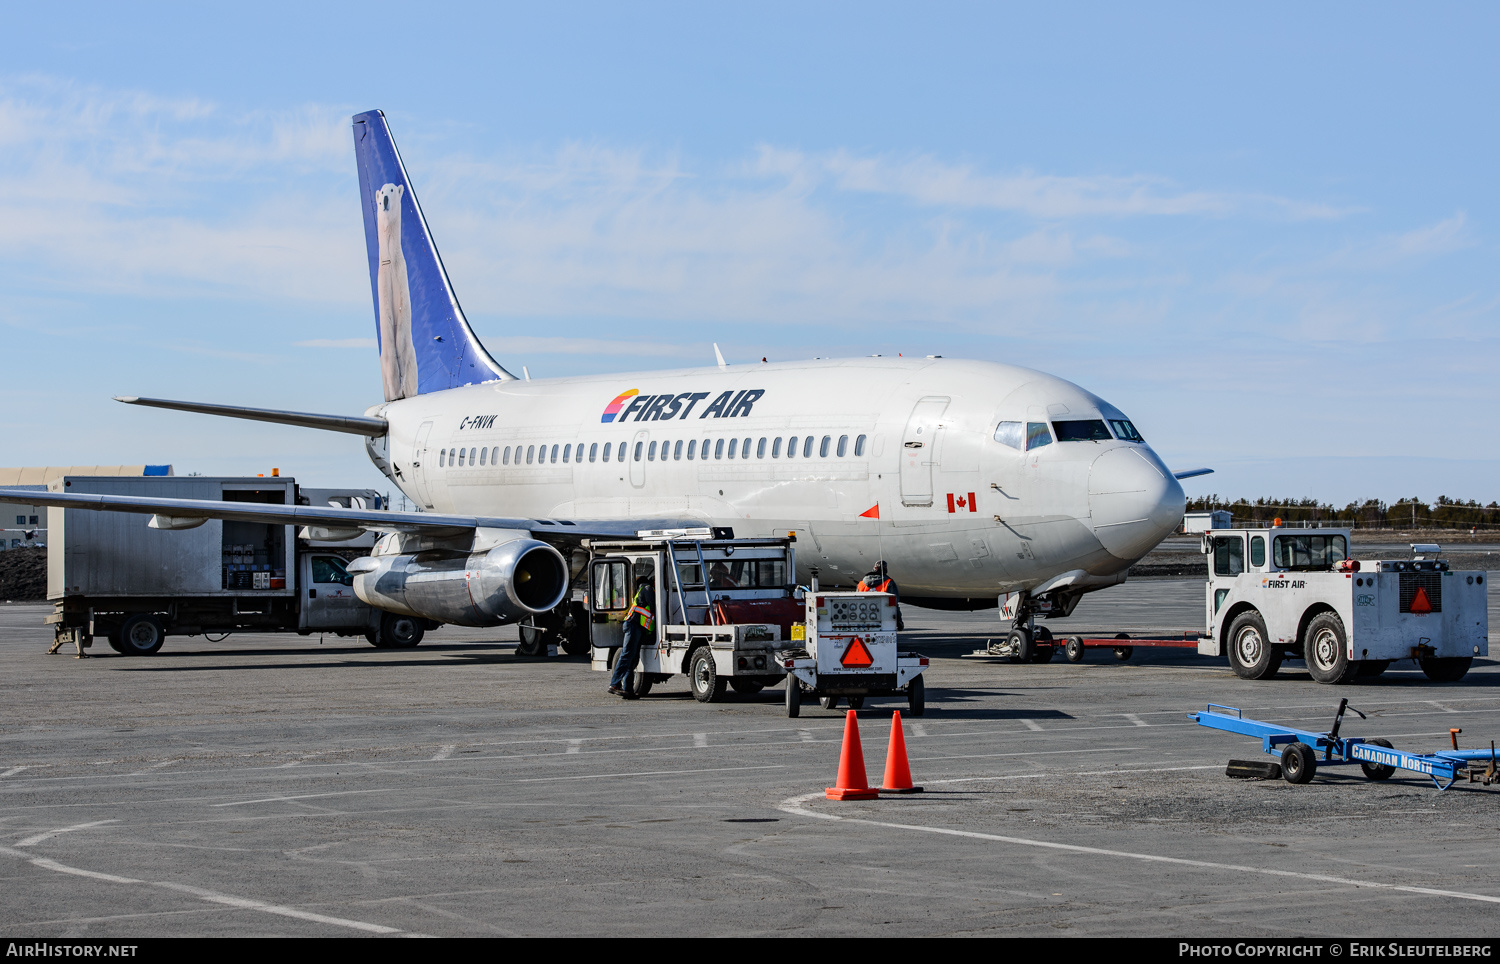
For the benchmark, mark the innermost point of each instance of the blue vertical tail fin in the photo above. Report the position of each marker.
(426, 344)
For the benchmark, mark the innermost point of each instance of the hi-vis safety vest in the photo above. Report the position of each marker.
(641, 608)
(864, 586)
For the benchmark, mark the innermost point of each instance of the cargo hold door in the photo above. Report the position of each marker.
(919, 450)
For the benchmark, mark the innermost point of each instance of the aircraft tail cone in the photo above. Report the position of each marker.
(897, 771)
(852, 784)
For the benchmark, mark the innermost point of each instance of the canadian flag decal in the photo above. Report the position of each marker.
(960, 502)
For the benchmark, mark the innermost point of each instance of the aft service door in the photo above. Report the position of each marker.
(919, 450)
(419, 465)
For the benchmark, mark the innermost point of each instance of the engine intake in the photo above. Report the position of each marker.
(500, 585)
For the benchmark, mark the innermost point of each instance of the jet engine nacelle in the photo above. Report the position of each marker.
(500, 585)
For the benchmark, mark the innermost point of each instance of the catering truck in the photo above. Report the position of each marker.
(1276, 594)
(135, 579)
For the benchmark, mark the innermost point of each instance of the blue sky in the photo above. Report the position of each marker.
(1266, 234)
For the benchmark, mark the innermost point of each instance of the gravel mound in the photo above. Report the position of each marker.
(23, 575)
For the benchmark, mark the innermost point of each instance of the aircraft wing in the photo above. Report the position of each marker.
(566, 531)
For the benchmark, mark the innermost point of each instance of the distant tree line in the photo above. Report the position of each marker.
(1445, 513)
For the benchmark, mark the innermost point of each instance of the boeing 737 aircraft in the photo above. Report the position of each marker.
(972, 479)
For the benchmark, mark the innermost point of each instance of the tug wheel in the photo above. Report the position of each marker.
(1326, 651)
(1251, 654)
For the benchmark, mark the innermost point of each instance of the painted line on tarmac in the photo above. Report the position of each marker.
(1033, 726)
(797, 807)
(646, 773)
(211, 896)
(12, 772)
(444, 752)
(991, 756)
(48, 835)
(303, 796)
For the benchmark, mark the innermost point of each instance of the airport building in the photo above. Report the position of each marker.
(26, 525)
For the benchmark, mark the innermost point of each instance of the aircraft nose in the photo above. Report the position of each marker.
(1134, 504)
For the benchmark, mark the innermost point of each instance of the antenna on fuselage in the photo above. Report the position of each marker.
(720, 356)
(526, 372)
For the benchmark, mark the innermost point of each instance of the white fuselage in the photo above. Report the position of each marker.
(960, 515)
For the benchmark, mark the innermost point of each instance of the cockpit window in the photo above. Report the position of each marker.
(1083, 430)
(1010, 433)
(1308, 552)
(1124, 430)
(1037, 435)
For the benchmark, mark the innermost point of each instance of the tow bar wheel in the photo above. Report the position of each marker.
(1377, 771)
(1298, 763)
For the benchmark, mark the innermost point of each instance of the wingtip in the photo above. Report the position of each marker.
(128, 399)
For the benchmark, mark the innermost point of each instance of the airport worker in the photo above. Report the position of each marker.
(879, 580)
(638, 624)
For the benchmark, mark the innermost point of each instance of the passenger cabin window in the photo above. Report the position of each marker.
(651, 453)
(1309, 552)
(692, 445)
(732, 443)
(859, 446)
(1012, 434)
(843, 445)
(442, 458)
(823, 447)
(807, 443)
(484, 456)
(1082, 430)
(1257, 551)
(1037, 435)
(606, 450)
(593, 451)
(719, 449)
(776, 447)
(1124, 430)
(506, 455)
(620, 453)
(1229, 555)
(639, 446)
(791, 447)
(677, 451)
(760, 449)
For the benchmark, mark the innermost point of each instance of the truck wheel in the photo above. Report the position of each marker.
(916, 696)
(828, 702)
(400, 632)
(1298, 763)
(639, 683)
(1326, 651)
(793, 698)
(746, 687)
(1043, 653)
(1074, 649)
(1022, 647)
(856, 702)
(1445, 669)
(142, 634)
(113, 638)
(708, 685)
(1371, 668)
(1251, 655)
(1378, 771)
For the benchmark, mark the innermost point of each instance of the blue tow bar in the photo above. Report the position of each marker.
(1303, 751)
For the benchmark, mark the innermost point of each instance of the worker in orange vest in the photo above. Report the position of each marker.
(879, 580)
(638, 625)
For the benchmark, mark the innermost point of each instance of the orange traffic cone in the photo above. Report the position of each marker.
(897, 772)
(851, 782)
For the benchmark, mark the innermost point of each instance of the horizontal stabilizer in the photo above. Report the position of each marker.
(353, 424)
(1191, 473)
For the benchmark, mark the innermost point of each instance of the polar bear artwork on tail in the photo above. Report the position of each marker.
(398, 355)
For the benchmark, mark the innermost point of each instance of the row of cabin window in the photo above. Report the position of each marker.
(539, 454)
